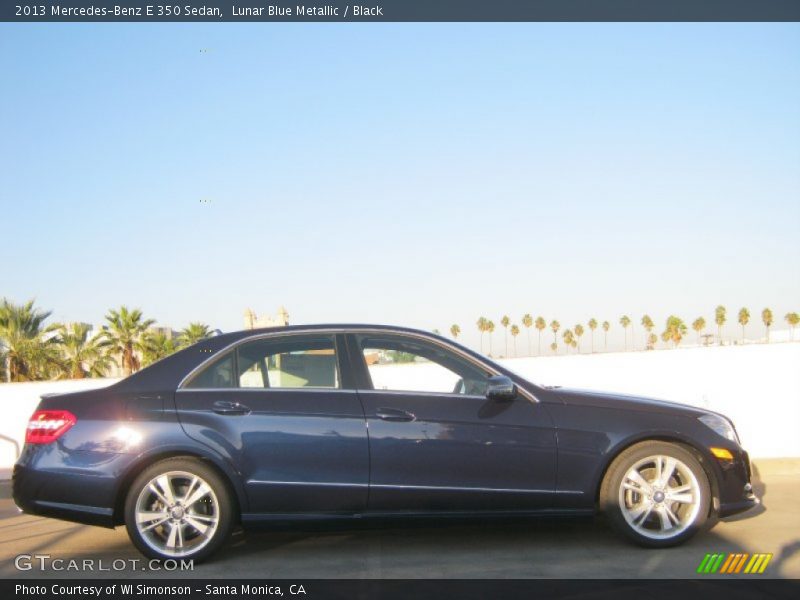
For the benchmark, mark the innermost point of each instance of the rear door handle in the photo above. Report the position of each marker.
(223, 407)
(394, 414)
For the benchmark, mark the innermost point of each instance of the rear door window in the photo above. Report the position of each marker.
(220, 374)
(289, 362)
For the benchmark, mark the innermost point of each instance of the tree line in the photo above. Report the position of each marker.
(675, 330)
(31, 350)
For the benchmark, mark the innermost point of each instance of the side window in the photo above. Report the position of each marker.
(288, 362)
(219, 374)
(401, 364)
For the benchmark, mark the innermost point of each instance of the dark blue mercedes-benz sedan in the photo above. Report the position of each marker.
(357, 421)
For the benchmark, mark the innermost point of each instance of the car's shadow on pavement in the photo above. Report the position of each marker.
(422, 548)
(502, 548)
(522, 548)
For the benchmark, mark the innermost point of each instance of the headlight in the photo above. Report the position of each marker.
(721, 425)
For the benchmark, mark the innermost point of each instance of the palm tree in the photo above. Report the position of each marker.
(490, 331)
(625, 321)
(155, 346)
(514, 334)
(29, 348)
(674, 330)
(651, 341)
(122, 337)
(792, 319)
(569, 339)
(527, 323)
(482, 321)
(193, 333)
(578, 334)
(505, 322)
(766, 317)
(744, 319)
(541, 325)
(455, 330)
(648, 324)
(82, 356)
(555, 326)
(592, 326)
(554, 347)
(698, 325)
(606, 327)
(719, 319)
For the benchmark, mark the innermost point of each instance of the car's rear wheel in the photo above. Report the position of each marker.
(178, 508)
(656, 493)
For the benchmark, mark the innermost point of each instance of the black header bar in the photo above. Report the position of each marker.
(217, 11)
(736, 588)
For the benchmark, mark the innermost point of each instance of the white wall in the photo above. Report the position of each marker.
(757, 385)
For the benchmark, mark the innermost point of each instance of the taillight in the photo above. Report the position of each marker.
(46, 426)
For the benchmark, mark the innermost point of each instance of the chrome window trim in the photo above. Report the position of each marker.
(234, 345)
(343, 330)
(470, 359)
(326, 390)
(269, 389)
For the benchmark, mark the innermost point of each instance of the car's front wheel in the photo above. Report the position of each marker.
(178, 508)
(656, 493)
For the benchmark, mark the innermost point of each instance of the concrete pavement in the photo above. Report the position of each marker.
(570, 548)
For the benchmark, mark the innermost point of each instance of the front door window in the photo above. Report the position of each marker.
(396, 363)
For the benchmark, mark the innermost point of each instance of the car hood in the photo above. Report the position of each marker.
(578, 397)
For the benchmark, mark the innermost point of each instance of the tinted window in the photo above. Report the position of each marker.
(402, 364)
(219, 374)
(289, 362)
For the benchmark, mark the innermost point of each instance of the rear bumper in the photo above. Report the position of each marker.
(82, 489)
(30, 496)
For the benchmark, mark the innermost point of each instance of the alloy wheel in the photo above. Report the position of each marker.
(177, 513)
(659, 497)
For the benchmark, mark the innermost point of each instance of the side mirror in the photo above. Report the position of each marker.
(501, 388)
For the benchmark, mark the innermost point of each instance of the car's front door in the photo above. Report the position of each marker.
(280, 408)
(436, 442)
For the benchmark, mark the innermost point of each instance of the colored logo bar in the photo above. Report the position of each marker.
(732, 563)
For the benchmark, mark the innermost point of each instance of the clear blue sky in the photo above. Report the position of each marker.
(411, 174)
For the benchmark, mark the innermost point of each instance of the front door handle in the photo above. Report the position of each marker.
(223, 407)
(394, 414)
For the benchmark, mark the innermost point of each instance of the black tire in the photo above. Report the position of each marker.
(216, 504)
(620, 504)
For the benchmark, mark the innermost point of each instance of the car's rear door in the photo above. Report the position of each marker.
(437, 443)
(283, 409)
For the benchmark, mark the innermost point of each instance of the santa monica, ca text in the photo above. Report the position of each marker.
(141, 589)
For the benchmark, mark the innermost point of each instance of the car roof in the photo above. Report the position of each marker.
(244, 333)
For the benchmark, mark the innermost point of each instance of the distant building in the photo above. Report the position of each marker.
(168, 332)
(253, 321)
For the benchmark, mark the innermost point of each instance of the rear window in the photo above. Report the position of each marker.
(299, 361)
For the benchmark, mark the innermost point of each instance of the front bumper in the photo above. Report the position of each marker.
(735, 489)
